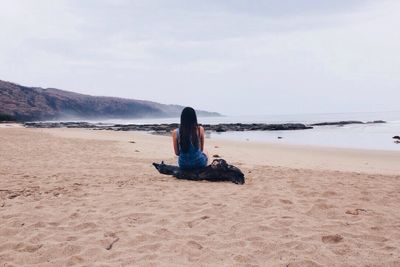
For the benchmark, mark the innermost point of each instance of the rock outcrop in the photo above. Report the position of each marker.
(166, 128)
(341, 123)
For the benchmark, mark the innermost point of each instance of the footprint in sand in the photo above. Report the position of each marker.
(305, 263)
(285, 201)
(85, 226)
(332, 239)
(194, 245)
(192, 223)
(149, 248)
(355, 212)
(329, 194)
(21, 247)
(109, 241)
(242, 259)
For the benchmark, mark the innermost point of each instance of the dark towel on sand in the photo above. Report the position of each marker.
(218, 171)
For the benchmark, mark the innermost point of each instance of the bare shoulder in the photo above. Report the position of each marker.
(201, 128)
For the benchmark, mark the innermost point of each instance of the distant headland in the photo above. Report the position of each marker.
(22, 103)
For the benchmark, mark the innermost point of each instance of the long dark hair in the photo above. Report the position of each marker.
(188, 129)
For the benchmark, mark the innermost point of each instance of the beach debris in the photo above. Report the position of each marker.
(397, 142)
(109, 247)
(280, 137)
(355, 212)
(218, 171)
(110, 236)
(216, 156)
(332, 239)
(137, 151)
(132, 142)
(216, 146)
(396, 139)
(13, 195)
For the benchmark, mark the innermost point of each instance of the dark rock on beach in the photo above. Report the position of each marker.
(256, 127)
(396, 137)
(167, 128)
(378, 121)
(6, 118)
(60, 125)
(341, 123)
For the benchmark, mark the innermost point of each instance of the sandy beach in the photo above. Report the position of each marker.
(74, 197)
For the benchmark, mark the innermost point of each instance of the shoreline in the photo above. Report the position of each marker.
(306, 156)
(257, 142)
(375, 135)
(261, 153)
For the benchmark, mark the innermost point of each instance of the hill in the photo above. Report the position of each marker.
(34, 103)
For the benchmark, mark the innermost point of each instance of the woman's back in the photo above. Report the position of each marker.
(192, 157)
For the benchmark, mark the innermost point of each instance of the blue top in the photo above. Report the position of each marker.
(194, 158)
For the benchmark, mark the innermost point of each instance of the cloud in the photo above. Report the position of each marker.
(228, 56)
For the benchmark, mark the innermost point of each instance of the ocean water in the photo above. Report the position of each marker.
(376, 136)
(361, 136)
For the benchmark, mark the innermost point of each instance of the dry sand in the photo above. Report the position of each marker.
(71, 197)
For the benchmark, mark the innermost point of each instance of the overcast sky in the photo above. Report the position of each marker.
(235, 57)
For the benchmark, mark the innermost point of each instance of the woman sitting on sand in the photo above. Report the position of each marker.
(188, 141)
